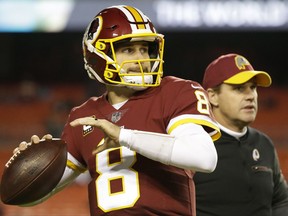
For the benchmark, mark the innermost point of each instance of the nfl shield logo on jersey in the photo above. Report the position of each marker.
(116, 117)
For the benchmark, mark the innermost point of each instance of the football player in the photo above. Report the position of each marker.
(149, 134)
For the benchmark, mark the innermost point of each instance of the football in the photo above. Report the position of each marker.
(32, 173)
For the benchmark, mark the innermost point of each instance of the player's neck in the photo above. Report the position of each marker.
(118, 94)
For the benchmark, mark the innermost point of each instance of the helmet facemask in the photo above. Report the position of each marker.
(146, 77)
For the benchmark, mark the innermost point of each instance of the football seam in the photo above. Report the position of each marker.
(15, 155)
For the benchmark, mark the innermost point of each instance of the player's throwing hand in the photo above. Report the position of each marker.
(111, 131)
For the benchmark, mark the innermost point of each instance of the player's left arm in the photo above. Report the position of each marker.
(188, 146)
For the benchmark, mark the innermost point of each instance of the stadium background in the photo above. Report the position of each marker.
(42, 74)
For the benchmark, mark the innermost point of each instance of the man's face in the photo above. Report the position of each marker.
(133, 59)
(237, 104)
(133, 51)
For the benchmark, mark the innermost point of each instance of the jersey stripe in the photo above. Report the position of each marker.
(200, 121)
(73, 166)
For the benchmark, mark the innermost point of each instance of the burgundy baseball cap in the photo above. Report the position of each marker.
(233, 69)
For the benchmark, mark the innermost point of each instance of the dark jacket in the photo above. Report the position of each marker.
(247, 180)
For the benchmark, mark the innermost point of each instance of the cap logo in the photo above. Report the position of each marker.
(241, 62)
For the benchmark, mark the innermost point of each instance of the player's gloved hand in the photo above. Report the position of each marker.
(111, 131)
(34, 140)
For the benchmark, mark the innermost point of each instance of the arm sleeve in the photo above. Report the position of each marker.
(189, 146)
(280, 194)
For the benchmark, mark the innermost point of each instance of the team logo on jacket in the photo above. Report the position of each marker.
(255, 154)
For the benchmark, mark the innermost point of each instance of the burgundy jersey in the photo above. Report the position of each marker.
(123, 181)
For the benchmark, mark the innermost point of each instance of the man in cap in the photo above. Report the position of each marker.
(247, 180)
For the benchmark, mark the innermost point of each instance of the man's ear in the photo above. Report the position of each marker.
(213, 97)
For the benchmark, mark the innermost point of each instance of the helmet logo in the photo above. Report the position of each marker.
(241, 62)
(93, 29)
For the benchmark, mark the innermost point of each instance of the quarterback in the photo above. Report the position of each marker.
(146, 136)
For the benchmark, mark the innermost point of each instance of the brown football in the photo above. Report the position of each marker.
(32, 173)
